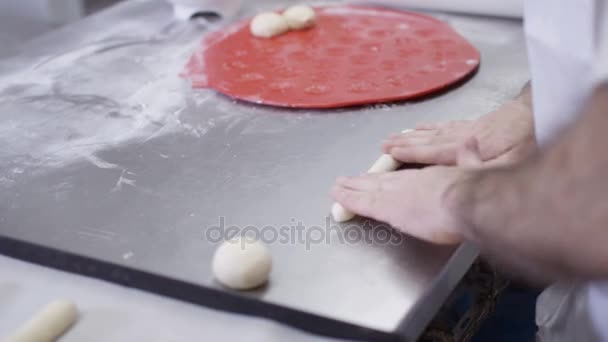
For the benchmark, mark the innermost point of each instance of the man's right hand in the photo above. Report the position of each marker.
(505, 136)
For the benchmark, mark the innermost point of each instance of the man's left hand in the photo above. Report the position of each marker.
(413, 201)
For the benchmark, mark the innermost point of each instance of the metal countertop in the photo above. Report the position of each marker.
(108, 154)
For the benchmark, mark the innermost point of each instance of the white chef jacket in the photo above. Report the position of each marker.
(568, 55)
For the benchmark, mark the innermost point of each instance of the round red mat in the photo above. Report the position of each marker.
(353, 56)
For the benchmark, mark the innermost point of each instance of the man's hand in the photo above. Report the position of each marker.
(413, 201)
(545, 218)
(505, 136)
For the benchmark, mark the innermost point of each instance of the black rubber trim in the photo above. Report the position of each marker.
(185, 291)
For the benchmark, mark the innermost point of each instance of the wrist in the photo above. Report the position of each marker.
(459, 200)
(525, 96)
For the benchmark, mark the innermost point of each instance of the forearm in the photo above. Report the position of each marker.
(550, 213)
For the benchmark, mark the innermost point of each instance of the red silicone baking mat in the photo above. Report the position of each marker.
(353, 55)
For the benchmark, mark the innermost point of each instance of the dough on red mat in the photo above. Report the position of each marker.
(352, 56)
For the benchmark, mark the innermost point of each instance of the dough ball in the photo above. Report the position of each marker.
(267, 25)
(242, 263)
(340, 214)
(300, 17)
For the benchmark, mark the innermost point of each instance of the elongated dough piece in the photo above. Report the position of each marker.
(386, 163)
(340, 214)
(48, 324)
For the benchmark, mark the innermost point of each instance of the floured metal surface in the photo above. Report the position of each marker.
(108, 153)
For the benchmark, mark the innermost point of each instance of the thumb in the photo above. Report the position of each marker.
(468, 153)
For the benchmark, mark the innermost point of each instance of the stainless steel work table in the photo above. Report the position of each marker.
(112, 167)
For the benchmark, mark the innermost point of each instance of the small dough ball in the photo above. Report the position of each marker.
(340, 214)
(242, 263)
(300, 17)
(267, 25)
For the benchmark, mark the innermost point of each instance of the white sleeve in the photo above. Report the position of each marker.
(598, 307)
(601, 37)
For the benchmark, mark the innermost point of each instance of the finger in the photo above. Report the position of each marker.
(359, 202)
(448, 132)
(468, 153)
(442, 154)
(413, 134)
(368, 182)
(441, 138)
(409, 138)
(405, 131)
(424, 126)
(447, 135)
(405, 141)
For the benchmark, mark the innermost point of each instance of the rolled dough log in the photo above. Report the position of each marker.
(242, 263)
(386, 163)
(300, 17)
(48, 324)
(340, 214)
(267, 25)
